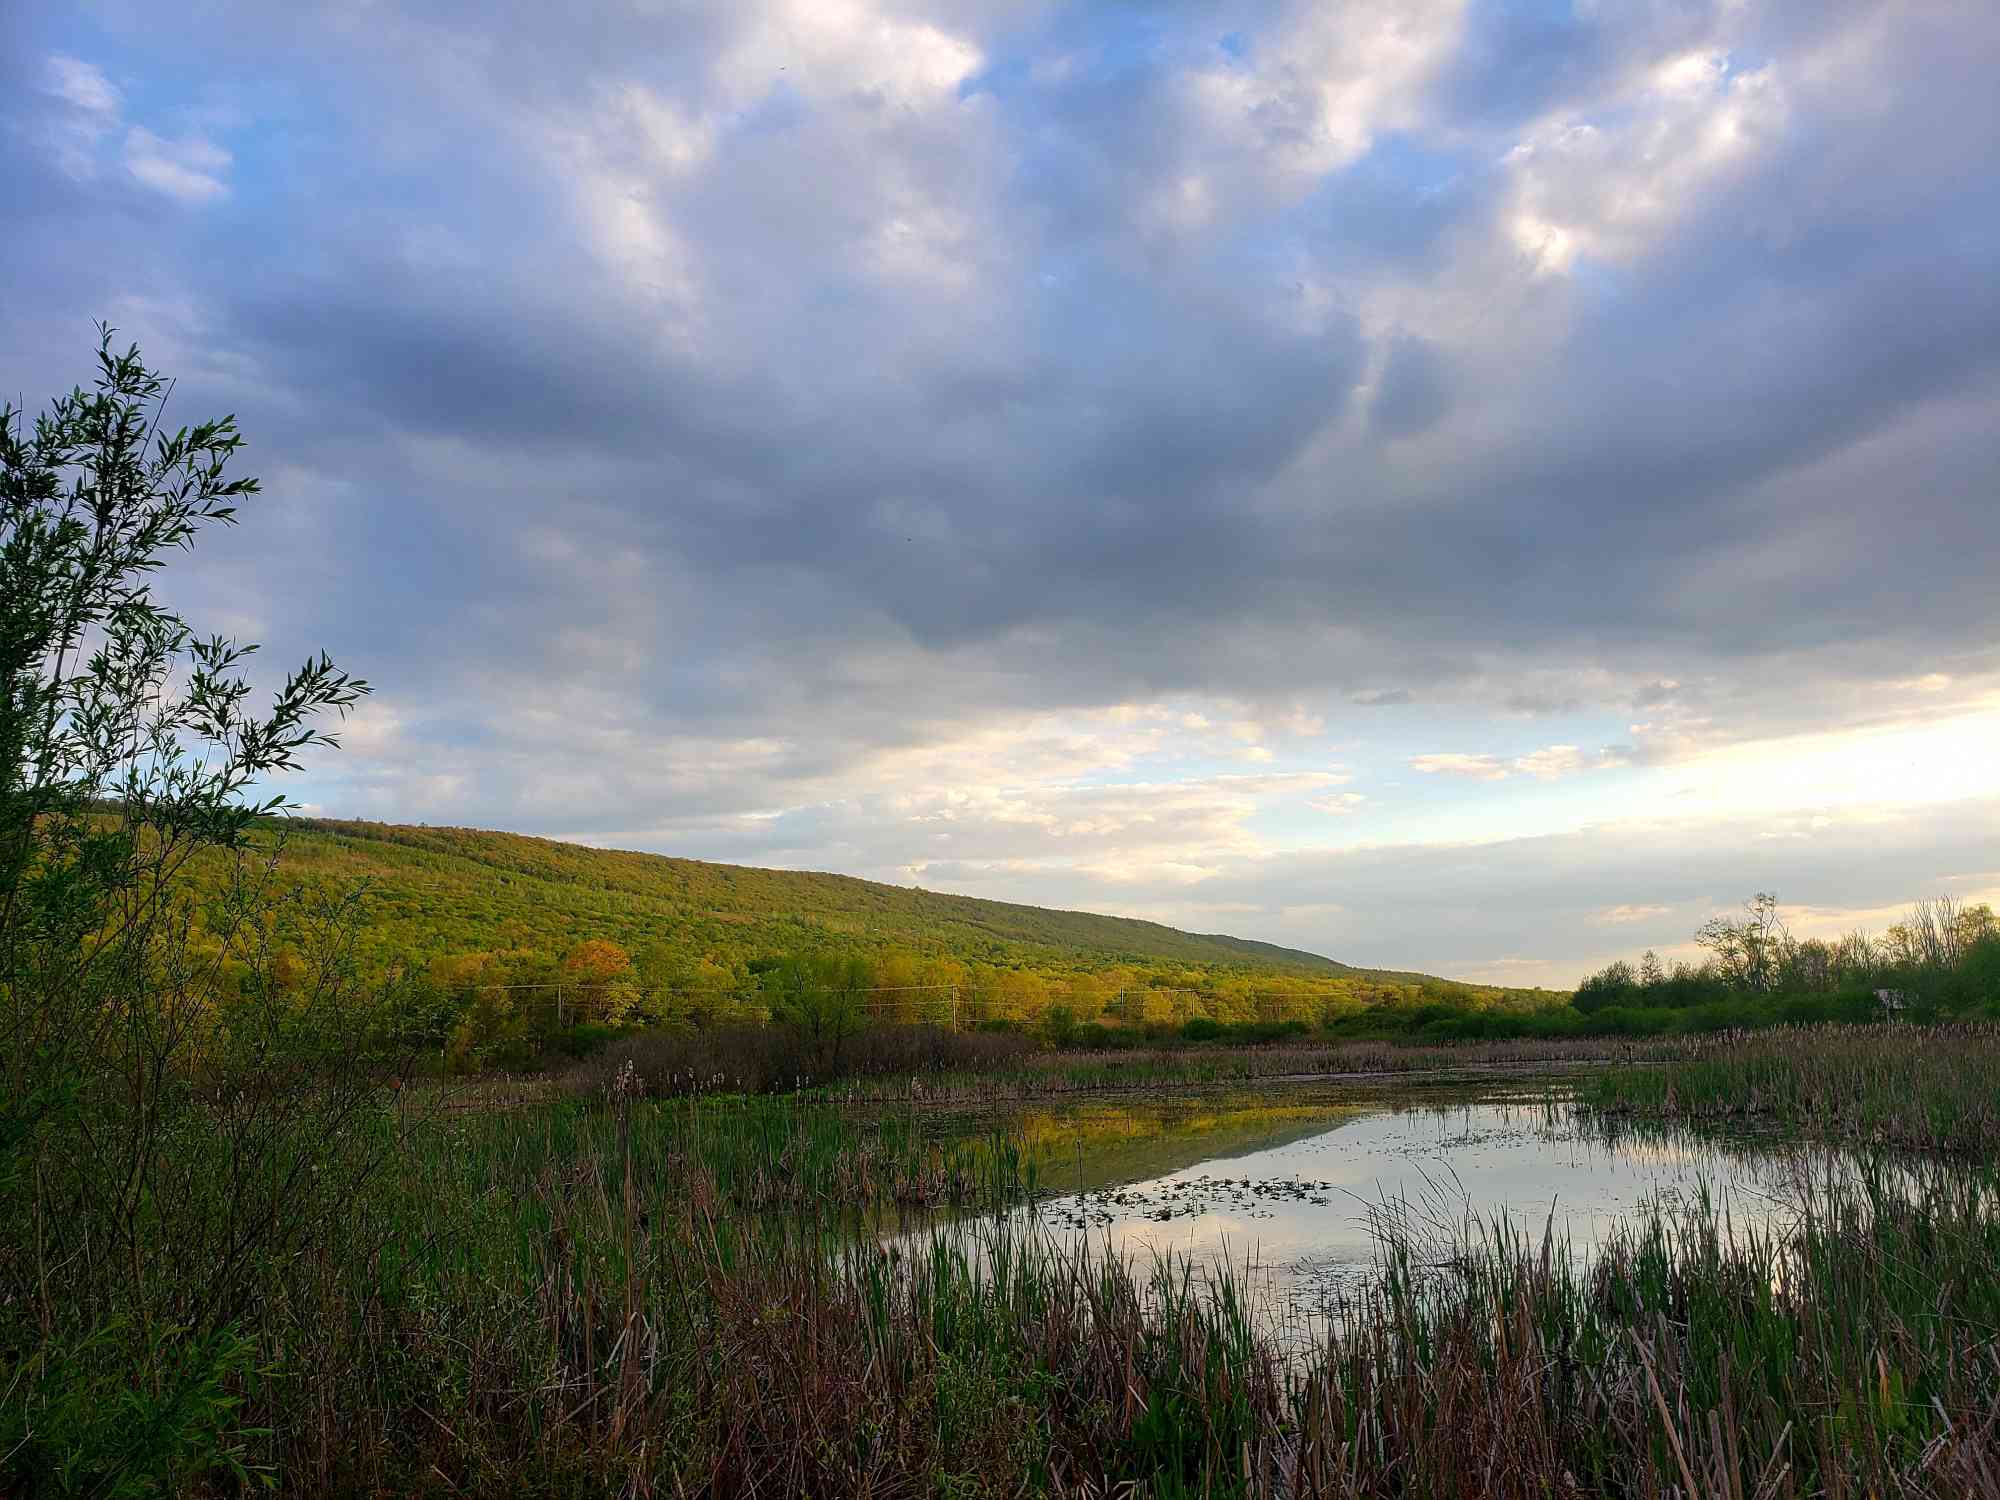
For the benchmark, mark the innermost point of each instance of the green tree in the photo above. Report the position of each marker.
(600, 981)
(132, 1016)
(824, 999)
(1752, 952)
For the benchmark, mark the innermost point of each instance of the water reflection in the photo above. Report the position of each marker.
(1293, 1190)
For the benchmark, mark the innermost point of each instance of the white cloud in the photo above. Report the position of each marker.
(675, 139)
(1338, 804)
(190, 168)
(880, 167)
(843, 48)
(1556, 761)
(1550, 763)
(88, 113)
(1629, 912)
(1451, 763)
(1612, 185)
(84, 85)
(1913, 758)
(373, 729)
(1316, 95)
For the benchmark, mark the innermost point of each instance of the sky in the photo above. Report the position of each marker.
(1466, 485)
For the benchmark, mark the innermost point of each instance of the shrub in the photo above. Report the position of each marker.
(181, 1083)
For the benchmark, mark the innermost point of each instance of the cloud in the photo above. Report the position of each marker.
(1146, 441)
(1550, 763)
(1630, 912)
(87, 112)
(1555, 761)
(1338, 804)
(1413, 393)
(1314, 95)
(190, 168)
(1450, 763)
(1610, 187)
(1468, 906)
(84, 86)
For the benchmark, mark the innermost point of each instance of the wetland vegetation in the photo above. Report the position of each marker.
(1932, 1089)
(787, 1295)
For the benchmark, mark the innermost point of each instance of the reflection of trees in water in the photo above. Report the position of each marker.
(1089, 1145)
(1133, 1187)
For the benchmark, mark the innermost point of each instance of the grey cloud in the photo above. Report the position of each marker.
(853, 506)
(1527, 897)
(1525, 59)
(1414, 392)
(1660, 690)
(1536, 704)
(1398, 209)
(1474, 910)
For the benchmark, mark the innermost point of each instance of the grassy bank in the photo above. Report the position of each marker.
(660, 1297)
(1929, 1088)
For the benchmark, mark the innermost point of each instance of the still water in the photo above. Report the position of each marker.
(1292, 1190)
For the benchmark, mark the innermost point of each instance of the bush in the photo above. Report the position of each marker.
(582, 1040)
(1980, 973)
(188, 1105)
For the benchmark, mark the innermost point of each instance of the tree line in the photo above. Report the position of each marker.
(508, 1008)
(1943, 956)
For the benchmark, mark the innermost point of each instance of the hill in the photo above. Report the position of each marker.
(506, 936)
(451, 890)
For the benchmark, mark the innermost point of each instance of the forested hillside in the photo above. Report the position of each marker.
(514, 936)
(444, 889)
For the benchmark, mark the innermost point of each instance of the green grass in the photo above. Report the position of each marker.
(462, 890)
(1927, 1088)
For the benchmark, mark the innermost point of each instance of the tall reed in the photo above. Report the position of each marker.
(1929, 1088)
(570, 1300)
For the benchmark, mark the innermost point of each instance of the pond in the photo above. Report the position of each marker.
(1292, 1188)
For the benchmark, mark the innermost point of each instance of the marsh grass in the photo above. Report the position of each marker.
(685, 1297)
(1924, 1088)
(1851, 1354)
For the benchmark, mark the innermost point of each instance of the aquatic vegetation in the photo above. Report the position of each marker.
(1929, 1088)
(655, 1297)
